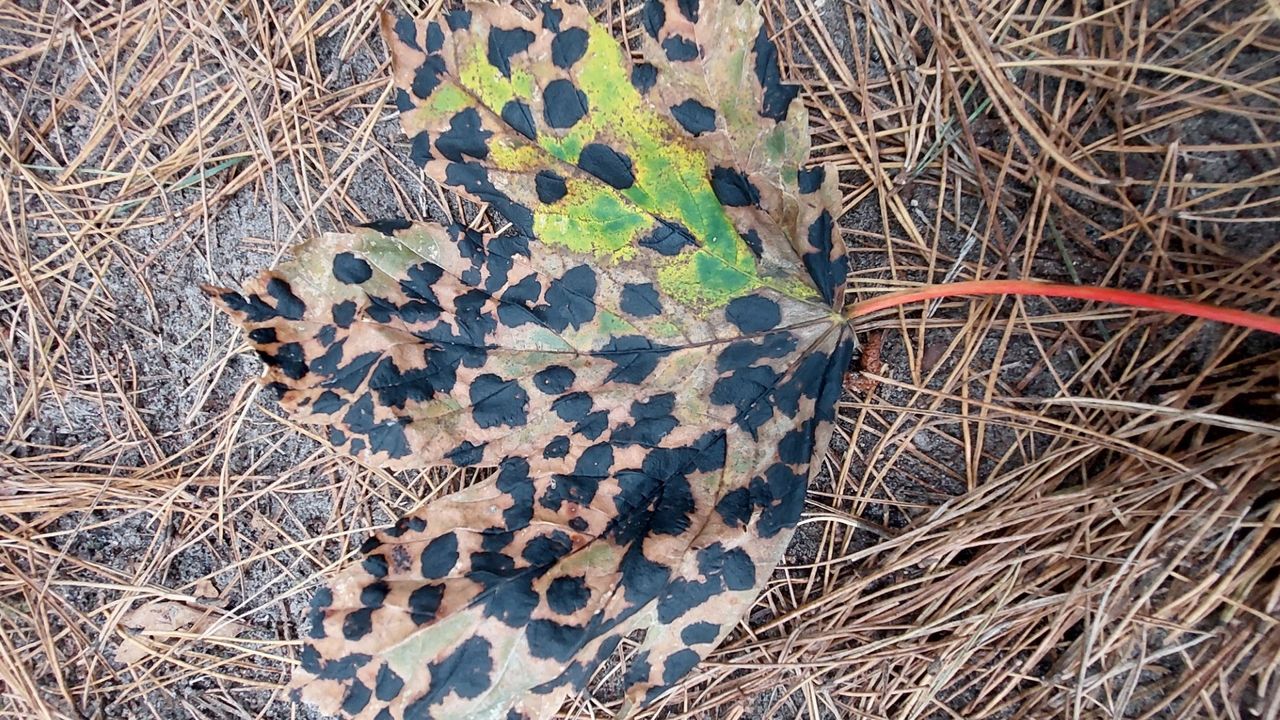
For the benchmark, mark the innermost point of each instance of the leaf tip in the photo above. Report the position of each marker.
(225, 299)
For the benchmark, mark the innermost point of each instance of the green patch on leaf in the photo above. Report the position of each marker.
(591, 220)
(671, 178)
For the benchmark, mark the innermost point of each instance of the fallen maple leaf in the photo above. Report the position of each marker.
(650, 359)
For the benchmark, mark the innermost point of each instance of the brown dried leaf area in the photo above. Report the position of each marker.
(640, 485)
(1025, 508)
(158, 618)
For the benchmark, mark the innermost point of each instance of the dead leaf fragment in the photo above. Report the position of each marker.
(169, 621)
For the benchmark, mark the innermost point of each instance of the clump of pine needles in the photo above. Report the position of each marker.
(1035, 508)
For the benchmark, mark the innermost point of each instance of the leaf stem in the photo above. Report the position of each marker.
(1243, 318)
